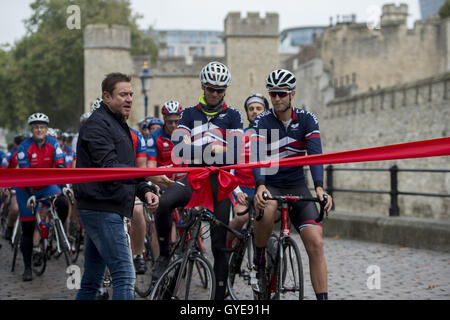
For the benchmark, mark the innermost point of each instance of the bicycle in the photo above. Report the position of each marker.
(15, 241)
(284, 274)
(74, 231)
(240, 262)
(181, 281)
(5, 195)
(52, 237)
(143, 284)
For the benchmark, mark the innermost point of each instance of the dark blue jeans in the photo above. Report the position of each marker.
(106, 245)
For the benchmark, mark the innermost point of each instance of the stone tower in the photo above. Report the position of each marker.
(251, 53)
(106, 49)
(393, 14)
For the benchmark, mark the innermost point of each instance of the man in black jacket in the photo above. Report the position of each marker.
(104, 141)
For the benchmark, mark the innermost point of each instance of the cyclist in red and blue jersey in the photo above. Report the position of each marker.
(254, 105)
(159, 143)
(68, 151)
(290, 132)
(204, 126)
(10, 161)
(39, 151)
(138, 224)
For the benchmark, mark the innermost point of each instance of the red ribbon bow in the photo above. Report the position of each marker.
(200, 182)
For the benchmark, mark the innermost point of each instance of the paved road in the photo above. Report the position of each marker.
(405, 273)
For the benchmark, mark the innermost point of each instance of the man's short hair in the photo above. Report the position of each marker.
(109, 83)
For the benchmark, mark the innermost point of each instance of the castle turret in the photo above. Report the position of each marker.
(251, 53)
(106, 49)
(394, 15)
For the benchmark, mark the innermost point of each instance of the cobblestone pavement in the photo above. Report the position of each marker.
(405, 273)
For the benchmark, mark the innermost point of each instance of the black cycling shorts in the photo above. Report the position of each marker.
(303, 213)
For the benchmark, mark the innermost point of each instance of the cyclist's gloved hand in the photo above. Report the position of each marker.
(31, 202)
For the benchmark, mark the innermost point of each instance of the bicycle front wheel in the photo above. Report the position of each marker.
(39, 259)
(143, 284)
(289, 285)
(184, 281)
(240, 273)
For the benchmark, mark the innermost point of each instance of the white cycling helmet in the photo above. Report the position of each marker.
(38, 117)
(216, 73)
(171, 107)
(96, 104)
(52, 133)
(281, 79)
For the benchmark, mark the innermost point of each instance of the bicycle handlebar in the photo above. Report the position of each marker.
(288, 199)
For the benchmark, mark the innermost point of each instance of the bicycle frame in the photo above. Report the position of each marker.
(56, 223)
(284, 202)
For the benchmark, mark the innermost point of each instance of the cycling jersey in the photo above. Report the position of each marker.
(68, 156)
(139, 145)
(30, 155)
(159, 148)
(2, 157)
(208, 130)
(10, 160)
(299, 137)
(49, 155)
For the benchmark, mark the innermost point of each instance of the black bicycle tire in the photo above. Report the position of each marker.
(232, 269)
(62, 245)
(15, 246)
(41, 269)
(289, 242)
(4, 217)
(77, 241)
(177, 264)
(149, 255)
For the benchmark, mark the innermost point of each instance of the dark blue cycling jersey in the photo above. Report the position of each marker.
(300, 137)
(204, 131)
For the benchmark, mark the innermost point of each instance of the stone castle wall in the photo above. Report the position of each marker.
(414, 111)
(384, 57)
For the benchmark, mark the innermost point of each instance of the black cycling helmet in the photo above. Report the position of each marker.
(256, 97)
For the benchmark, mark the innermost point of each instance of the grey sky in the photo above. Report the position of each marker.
(209, 14)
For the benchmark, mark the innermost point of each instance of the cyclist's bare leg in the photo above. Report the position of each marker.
(155, 243)
(237, 222)
(137, 232)
(13, 212)
(312, 239)
(264, 227)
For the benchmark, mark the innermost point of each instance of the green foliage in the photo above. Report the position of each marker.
(43, 72)
(444, 11)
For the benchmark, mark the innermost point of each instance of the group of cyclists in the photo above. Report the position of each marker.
(201, 126)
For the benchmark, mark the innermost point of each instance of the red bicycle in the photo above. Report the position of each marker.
(284, 274)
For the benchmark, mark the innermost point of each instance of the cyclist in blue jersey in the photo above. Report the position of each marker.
(200, 131)
(39, 151)
(298, 134)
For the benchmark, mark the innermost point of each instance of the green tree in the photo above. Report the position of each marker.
(444, 11)
(43, 72)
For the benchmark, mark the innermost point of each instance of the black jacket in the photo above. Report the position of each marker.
(105, 141)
